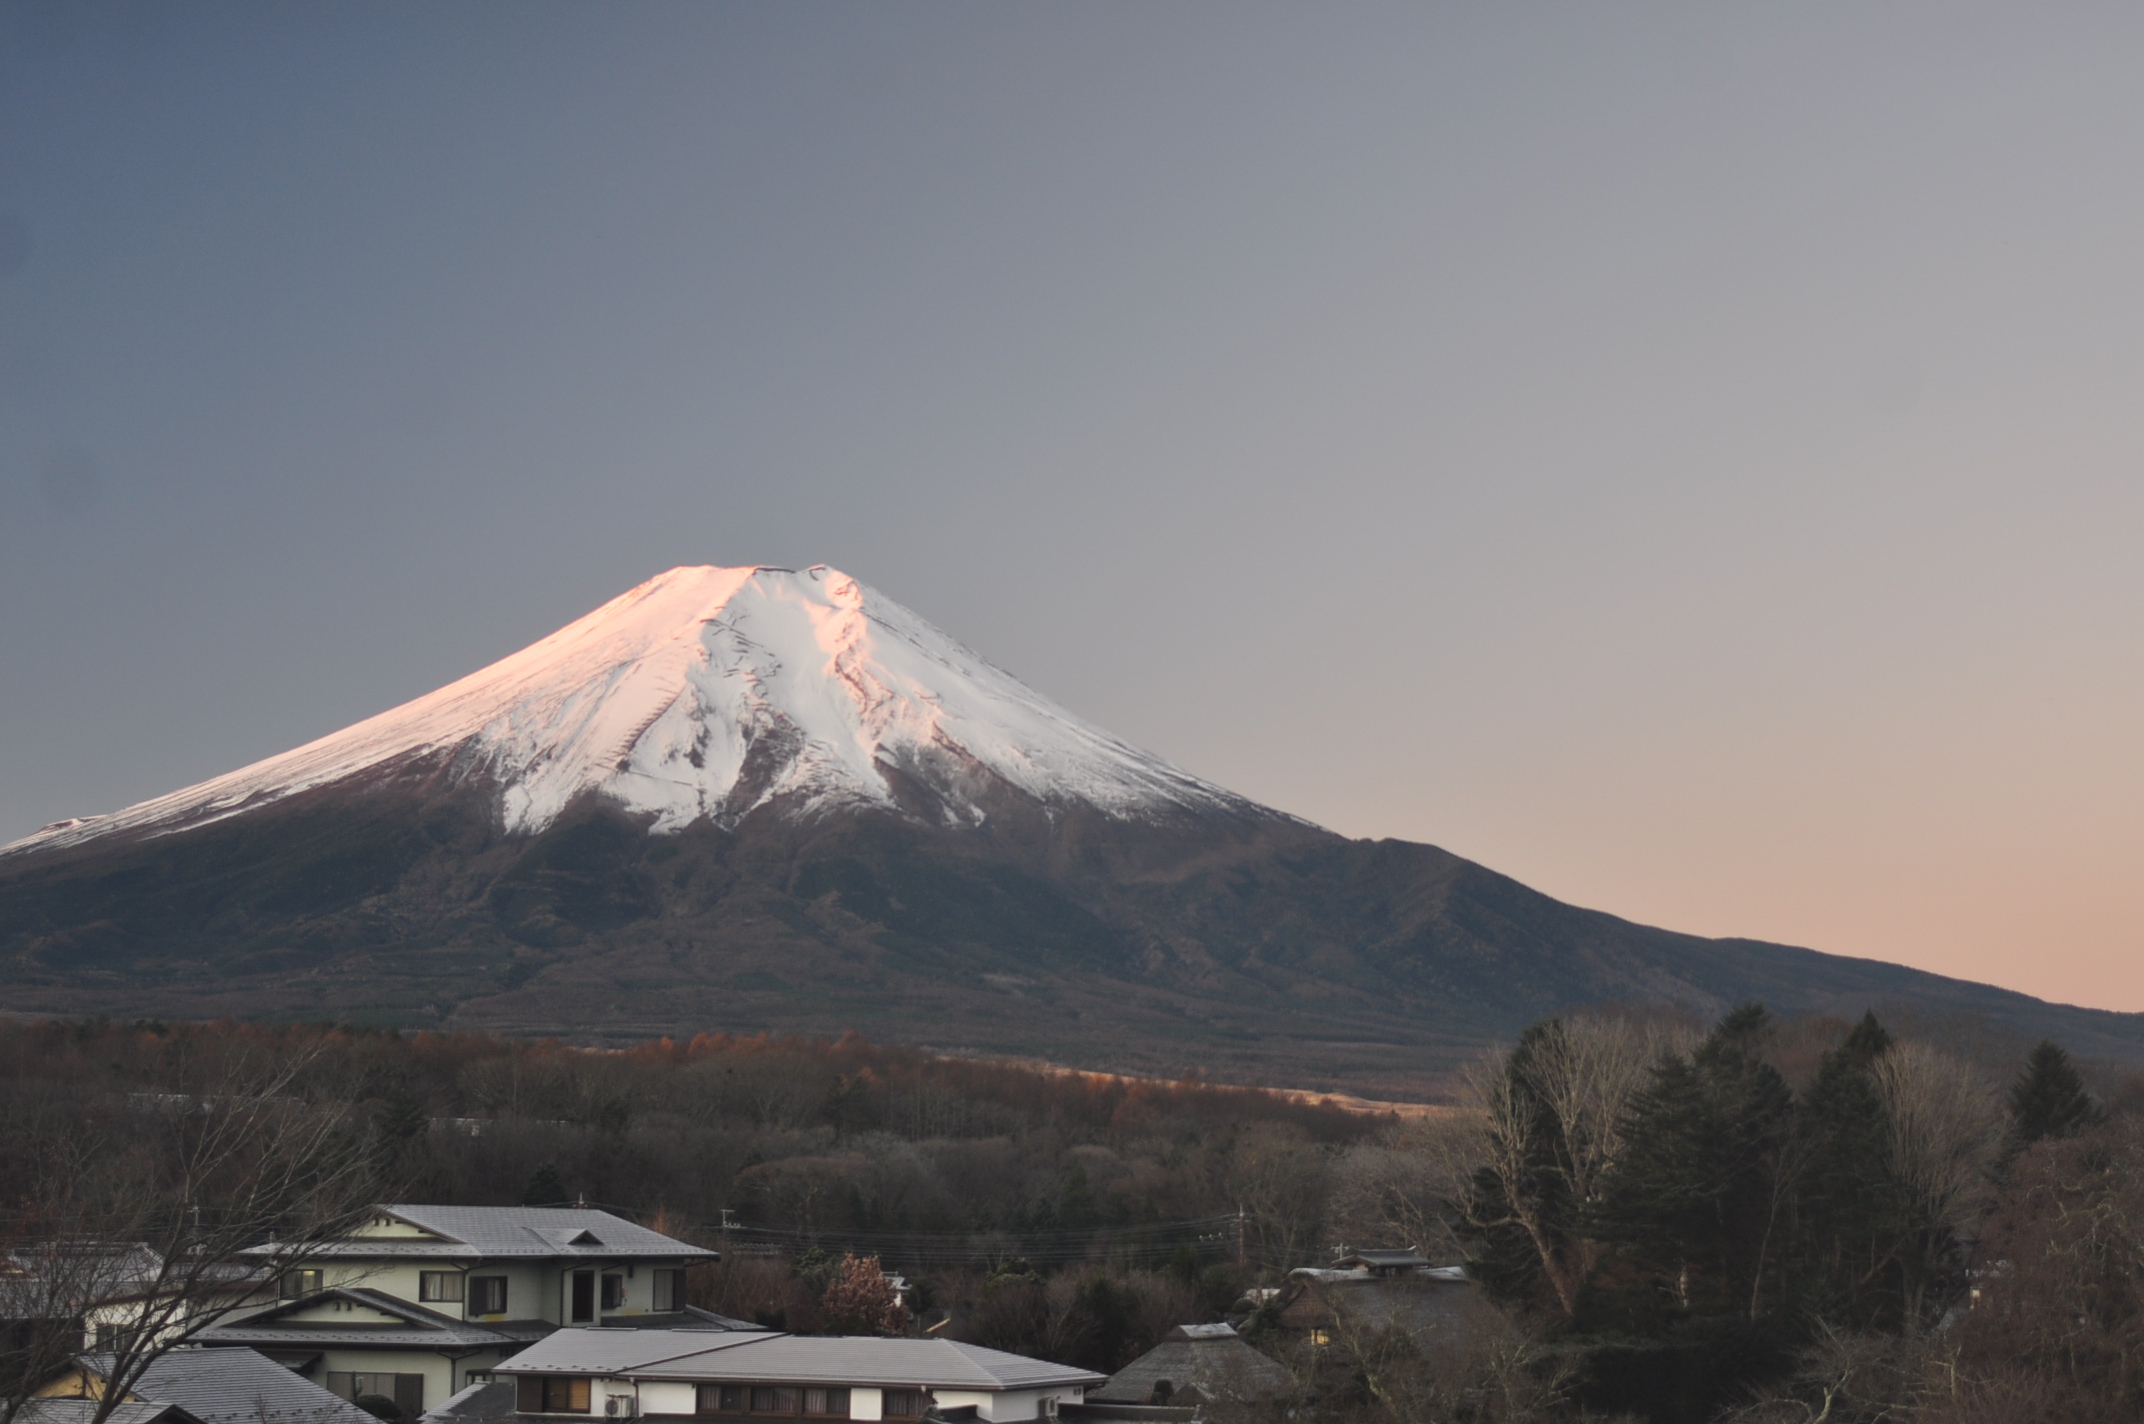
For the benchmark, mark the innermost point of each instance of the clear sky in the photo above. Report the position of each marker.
(1685, 457)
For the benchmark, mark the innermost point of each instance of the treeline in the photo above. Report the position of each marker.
(796, 1136)
(1716, 1227)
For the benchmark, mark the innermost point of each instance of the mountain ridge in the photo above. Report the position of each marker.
(706, 692)
(896, 837)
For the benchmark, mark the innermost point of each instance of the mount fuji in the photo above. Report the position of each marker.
(772, 799)
(707, 694)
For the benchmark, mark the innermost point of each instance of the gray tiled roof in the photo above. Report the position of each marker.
(486, 1402)
(1404, 1256)
(1409, 1302)
(79, 1411)
(1222, 1366)
(237, 1386)
(837, 1359)
(497, 1231)
(690, 1318)
(413, 1326)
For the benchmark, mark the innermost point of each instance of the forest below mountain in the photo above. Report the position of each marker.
(1760, 1221)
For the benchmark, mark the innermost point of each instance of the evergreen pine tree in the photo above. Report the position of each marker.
(2049, 1097)
(545, 1188)
(1868, 1041)
(1695, 1200)
(1852, 1205)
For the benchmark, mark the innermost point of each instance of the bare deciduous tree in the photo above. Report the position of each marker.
(1946, 1129)
(152, 1218)
(1576, 1083)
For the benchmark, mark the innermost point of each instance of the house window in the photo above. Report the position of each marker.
(614, 1292)
(552, 1394)
(904, 1403)
(720, 1399)
(301, 1283)
(407, 1391)
(669, 1290)
(826, 1403)
(780, 1401)
(487, 1295)
(581, 1298)
(439, 1285)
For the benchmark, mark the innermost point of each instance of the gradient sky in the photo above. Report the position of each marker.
(1686, 457)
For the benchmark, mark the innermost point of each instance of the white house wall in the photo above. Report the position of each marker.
(668, 1397)
(533, 1291)
(673, 1399)
(1000, 1405)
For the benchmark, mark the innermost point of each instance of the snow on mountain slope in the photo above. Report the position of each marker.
(709, 692)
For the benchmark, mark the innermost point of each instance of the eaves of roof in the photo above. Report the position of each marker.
(414, 1324)
(325, 1335)
(833, 1360)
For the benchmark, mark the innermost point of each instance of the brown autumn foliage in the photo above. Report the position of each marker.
(859, 1300)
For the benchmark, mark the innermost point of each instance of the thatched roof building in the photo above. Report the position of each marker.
(1196, 1363)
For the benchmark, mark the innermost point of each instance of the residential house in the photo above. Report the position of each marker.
(102, 1290)
(417, 1301)
(213, 1387)
(765, 1375)
(1197, 1364)
(1380, 1262)
(1315, 1299)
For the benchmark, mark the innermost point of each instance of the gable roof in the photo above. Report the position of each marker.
(530, 1232)
(1415, 1302)
(776, 1358)
(236, 1386)
(1215, 1359)
(408, 1325)
(485, 1402)
(1383, 1258)
(514, 1232)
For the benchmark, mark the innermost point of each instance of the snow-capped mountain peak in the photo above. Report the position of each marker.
(709, 692)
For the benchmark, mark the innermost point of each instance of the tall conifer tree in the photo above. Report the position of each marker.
(1849, 1197)
(2049, 1097)
(1696, 1200)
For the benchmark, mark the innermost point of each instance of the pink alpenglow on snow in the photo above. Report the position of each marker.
(709, 692)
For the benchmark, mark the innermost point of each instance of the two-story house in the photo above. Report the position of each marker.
(691, 1373)
(417, 1299)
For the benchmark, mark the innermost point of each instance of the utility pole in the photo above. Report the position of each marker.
(1243, 1254)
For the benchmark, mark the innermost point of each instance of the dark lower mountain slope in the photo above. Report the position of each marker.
(1257, 950)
